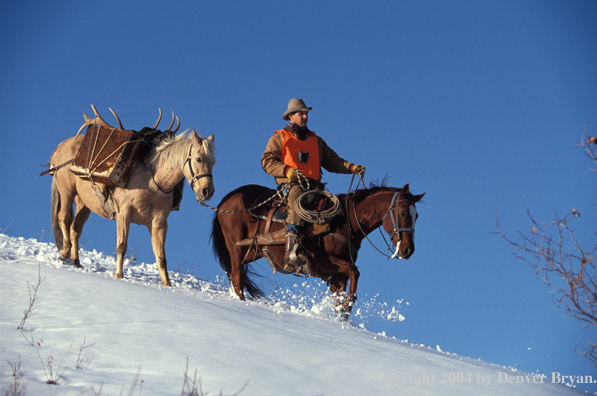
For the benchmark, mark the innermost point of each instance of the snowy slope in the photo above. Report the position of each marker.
(133, 337)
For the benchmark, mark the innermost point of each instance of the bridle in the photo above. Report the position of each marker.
(396, 231)
(194, 177)
(394, 218)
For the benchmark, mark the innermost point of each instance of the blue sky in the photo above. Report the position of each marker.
(477, 103)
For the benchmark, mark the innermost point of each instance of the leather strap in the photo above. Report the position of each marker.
(268, 222)
(55, 168)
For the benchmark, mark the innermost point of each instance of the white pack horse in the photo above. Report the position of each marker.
(146, 199)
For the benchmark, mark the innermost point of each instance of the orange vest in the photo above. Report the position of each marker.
(291, 147)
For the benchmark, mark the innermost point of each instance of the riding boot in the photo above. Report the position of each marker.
(291, 245)
(294, 256)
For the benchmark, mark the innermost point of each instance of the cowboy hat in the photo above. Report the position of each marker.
(295, 105)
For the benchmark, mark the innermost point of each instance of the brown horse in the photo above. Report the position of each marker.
(146, 199)
(329, 254)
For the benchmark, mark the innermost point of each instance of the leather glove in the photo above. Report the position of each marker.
(292, 175)
(359, 170)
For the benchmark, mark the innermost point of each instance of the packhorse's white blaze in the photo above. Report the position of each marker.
(413, 216)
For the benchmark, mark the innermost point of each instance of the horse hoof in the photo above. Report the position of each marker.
(343, 312)
(77, 264)
(343, 315)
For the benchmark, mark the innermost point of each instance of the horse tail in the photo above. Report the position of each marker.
(250, 285)
(219, 245)
(56, 204)
(223, 256)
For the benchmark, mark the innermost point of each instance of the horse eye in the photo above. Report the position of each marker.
(199, 160)
(403, 213)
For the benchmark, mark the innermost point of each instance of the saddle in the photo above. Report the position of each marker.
(275, 211)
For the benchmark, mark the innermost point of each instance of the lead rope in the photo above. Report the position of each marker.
(277, 194)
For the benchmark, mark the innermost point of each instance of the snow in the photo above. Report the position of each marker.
(131, 336)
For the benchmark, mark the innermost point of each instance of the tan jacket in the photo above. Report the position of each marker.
(272, 164)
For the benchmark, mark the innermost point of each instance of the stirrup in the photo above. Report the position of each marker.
(296, 256)
(297, 261)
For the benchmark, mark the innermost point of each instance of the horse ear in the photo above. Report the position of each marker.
(404, 189)
(211, 138)
(196, 137)
(419, 197)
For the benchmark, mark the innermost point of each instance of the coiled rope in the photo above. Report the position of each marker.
(314, 216)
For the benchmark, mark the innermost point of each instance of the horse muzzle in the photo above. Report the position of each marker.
(205, 193)
(203, 187)
(403, 253)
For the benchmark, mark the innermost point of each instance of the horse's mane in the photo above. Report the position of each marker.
(171, 148)
(374, 187)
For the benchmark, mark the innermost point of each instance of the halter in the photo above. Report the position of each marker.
(194, 177)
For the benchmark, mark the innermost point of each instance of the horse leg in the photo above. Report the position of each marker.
(337, 285)
(237, 275)
(122, 234)
(344, 301)
(65, 219)
(158, 241)
(81, 217)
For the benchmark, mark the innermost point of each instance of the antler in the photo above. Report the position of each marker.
(158, 121)
(117, 119)
(172, 123)
(177, 120)
(96, 121)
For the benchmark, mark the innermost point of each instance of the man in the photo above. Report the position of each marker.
(296, 148)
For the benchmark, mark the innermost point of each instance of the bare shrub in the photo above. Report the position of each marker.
(558, 259)
(16, 387)
(52, 372)
(32, 298)
(192, 386)
(83, 361)
(30, 342)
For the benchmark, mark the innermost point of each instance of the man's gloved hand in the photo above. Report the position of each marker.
(359, 170)
(292, 175)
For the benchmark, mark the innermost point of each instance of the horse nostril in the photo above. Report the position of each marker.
(407, 252)
(205, 192)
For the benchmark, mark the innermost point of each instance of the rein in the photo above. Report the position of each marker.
(355, 216)
(397, 230)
